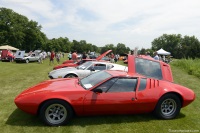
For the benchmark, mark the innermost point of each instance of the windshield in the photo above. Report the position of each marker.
(84, 65)
(93, 79)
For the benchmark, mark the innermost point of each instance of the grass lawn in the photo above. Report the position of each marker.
(14, 78)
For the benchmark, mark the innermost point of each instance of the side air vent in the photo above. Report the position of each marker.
(152, 83)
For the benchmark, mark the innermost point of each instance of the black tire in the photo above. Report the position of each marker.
(168, 107)
(70, 76)
(55, 112)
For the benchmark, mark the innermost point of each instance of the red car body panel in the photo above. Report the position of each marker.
(102, 55)
(68, 61)
(87, 102)
(72, 64)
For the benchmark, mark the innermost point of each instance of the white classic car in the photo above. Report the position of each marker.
(85, 69)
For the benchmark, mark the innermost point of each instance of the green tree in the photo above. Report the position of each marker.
(108, 47)
(190, 47)
(18, 31)
(121, 49)
(168, 42)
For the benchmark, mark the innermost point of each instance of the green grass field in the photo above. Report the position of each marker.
(14, 78)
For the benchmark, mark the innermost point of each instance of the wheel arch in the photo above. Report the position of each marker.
(41, 104)
(175, 93)
(71, 74)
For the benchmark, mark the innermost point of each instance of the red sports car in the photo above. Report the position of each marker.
(142, 90)
(72, 64)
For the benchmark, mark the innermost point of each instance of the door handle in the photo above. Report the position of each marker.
(133, 99)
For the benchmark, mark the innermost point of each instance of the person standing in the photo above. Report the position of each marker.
(63, 54)
(84, 56)
(116, 58)
(58, 55)
(52, 56)
(74, 56)
(156, 56)
(69, 56)
(112, 57)
(40, 61)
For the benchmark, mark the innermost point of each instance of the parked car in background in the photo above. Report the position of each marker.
(72, 64)
(85, 69)
(20, 56)
(108, 92)
(106, 58)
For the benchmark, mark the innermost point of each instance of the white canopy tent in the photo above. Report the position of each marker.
(163, 52)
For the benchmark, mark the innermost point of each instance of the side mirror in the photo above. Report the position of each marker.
(98, 91)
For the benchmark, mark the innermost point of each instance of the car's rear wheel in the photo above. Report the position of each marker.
(70, 76)
(27, 60)
(55, 112)
(168, 107)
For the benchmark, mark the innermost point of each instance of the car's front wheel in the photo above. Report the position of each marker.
(70, 76)
(168, 107)
(55, 112)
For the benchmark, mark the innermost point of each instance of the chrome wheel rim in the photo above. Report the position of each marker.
(56, 113)
(168, 107)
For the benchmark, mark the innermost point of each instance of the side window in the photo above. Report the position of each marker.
(143, 84)
(109, 66)
(124, 85)
(99, 66)
(105, 86)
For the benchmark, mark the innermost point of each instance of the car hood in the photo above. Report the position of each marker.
(65, 65)
(61, 70)
(102, 55)
(65, 84)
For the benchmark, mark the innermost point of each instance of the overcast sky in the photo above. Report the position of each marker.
(135, 23)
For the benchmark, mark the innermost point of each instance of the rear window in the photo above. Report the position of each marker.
(148, 68)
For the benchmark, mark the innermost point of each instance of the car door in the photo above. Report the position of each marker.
(32, 57)
(118, 97)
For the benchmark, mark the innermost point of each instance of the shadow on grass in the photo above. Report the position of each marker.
(19, 118)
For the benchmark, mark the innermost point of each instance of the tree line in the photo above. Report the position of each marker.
(180, 47)
(18, 31)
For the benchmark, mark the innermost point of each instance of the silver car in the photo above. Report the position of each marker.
(85, 69)
(20, 56)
